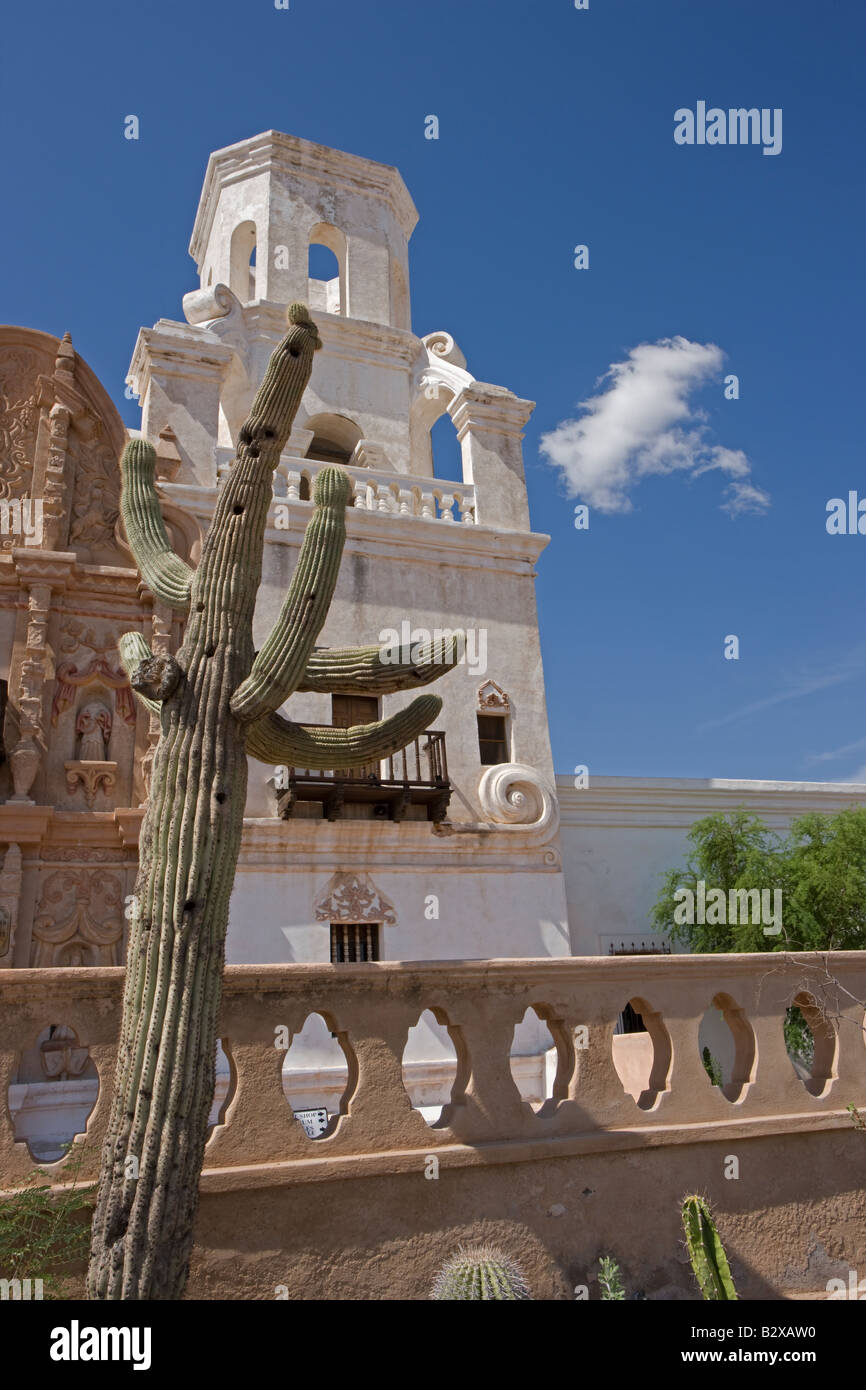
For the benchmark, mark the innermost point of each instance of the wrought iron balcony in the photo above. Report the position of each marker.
(416, 775)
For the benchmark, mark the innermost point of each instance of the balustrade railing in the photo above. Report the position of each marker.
(392, 494)
(607, 1092)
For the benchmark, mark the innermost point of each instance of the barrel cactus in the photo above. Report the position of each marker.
(217, 701)
(706, 1252)
(480, 1272)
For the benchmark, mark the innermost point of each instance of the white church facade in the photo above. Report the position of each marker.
(465, 845)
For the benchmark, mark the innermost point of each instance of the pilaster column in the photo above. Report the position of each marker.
(178, 374)
(41, 573)
(10, 896)
(490, 421)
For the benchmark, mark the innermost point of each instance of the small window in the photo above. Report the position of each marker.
(492, 743)
(354, 942)
(348, 710)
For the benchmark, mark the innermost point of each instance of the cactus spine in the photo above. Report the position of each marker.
(480, 1272)
(706, 1252)
(217, 701)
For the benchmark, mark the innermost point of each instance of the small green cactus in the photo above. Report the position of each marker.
(479, 1271)
(610, 1280)
(706, 1252)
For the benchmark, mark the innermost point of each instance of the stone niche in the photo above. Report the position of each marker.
(93, 722)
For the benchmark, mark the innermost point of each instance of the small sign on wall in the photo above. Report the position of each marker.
(315, 1122)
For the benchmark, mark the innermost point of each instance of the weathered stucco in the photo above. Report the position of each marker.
(352, 1214)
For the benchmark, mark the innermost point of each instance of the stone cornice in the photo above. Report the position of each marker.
(353, 340)
(53, 567)
(273, 150)
(395, 537)
(22, 824)
(678, 802)
(485, 407)
(177, 349)
(302, 846)
(107, 579)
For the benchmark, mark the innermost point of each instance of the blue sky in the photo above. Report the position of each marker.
(556, 129)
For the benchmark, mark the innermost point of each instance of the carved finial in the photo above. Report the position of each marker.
(65, 360)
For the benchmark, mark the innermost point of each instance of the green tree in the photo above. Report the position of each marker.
(819, 867)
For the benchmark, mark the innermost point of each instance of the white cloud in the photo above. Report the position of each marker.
(643, 424)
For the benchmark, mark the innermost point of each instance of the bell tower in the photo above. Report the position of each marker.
(428, 549)
(269, 199)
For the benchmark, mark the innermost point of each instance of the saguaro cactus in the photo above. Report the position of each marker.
(480, 1272)
(706, 1252)
(217, 701)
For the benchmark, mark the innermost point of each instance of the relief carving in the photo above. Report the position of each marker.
(101, 667)
(79, 920)
(19, 421)
(351, 897)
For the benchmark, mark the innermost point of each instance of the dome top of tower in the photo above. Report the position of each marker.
(274, 152)
(265, 200)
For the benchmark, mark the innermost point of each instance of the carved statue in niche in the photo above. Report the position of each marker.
(102, 667)
(93, 727)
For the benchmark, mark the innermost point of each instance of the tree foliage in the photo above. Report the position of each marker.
(819, 866)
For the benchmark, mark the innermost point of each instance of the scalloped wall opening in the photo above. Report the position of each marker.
(225, 1085)
(642, 1053)
(435, 1067)
(811, 1043)
(320, 1073)
(53, 1092)
(541, 1059)
(727, 1046)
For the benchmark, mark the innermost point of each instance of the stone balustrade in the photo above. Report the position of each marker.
(379, 491)
(608, 1092)
(375, 490)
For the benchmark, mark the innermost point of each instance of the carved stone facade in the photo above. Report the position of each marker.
(79, 918)
(455, 553)
(74, 738)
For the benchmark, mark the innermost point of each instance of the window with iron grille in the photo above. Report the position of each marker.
(354, 941)
(492, 741)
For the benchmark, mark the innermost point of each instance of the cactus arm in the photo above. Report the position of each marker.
(275, 740)
(165, 574)
(281, 663)
(706, 1252)
(190, 840)
(371, 670)
(133, 651)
